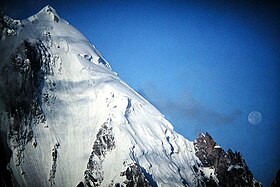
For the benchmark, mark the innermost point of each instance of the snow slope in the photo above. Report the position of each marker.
(80, 123)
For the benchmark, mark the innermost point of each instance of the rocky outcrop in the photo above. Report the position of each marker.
(5, 174)
(230, 168)
(135, 177)
(276, 181)
(8, 26)
(21, 96)
(104, 143)
(24, 78)
(54, 164)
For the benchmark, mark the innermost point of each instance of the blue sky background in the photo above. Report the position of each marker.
(205, 64)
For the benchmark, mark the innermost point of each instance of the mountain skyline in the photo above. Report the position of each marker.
(225, 66)
(67, 119)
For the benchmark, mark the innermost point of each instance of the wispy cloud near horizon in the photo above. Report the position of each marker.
(187, 107)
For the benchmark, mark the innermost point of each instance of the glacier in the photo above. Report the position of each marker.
(67, 119)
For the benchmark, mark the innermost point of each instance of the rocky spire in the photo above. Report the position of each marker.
(230, 167)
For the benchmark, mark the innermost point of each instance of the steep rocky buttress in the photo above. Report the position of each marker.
(230, 168)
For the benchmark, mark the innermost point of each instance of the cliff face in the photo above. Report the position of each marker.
(230, 168)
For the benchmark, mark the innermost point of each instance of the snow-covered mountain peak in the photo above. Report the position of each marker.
(53, 32)
(13, 27)
(48, 10)
(67, 119)
(47, 13)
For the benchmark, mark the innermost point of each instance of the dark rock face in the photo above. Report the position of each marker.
(24, 78)
(276, 181)
(104, 143)
(94, 175)
(54, 164)
(5, 174)
(21, 97)
(135, 177)
(231, 169)
(8, 26)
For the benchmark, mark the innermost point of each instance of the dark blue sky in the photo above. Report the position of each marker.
(205, 65)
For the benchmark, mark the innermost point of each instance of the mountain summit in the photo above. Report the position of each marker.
(68, 120)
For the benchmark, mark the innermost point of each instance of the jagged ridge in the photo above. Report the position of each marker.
(230, 168)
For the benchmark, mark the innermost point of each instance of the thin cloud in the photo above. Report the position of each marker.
(187, 107)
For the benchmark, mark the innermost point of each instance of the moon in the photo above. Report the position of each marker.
(255, 117)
